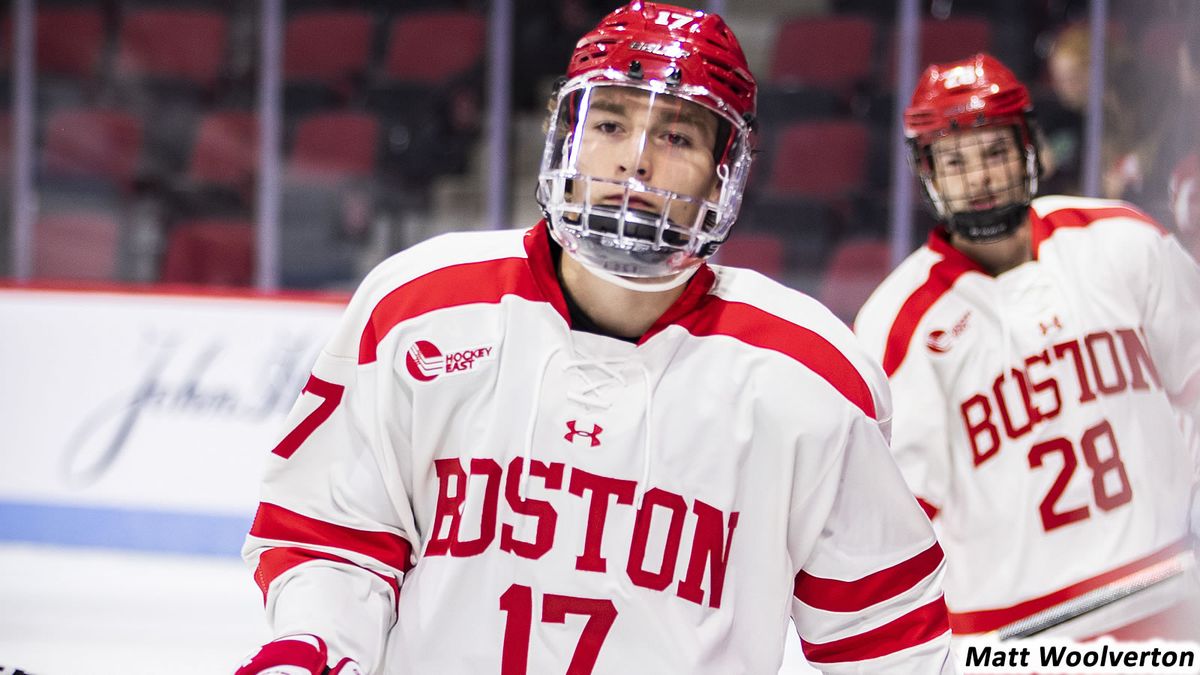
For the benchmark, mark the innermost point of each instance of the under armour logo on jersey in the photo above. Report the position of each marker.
(593, 435)
(1054, 324)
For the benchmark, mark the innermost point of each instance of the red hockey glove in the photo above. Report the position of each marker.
(295, 655)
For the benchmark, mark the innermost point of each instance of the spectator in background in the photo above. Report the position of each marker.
(1141, 116)
(1060, 111)
(1185, 200)
(1185, 177)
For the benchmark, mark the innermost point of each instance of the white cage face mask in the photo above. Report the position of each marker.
(640, 183)
(981, 181)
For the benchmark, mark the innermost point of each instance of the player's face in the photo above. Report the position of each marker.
(978, 169)
(661, 141)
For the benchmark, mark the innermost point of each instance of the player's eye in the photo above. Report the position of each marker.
(608, 127)
(677, 140)
(952, 161)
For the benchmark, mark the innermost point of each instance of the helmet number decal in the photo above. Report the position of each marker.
(673, 20)
(959, 76)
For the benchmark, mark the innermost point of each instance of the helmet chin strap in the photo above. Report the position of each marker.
(639, 285)
(992, 225)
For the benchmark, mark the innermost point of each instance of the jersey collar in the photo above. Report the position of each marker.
(955, 261)
(541, 266)
(958, 262)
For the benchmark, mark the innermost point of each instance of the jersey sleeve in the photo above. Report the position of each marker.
(920, 431)
(334, 531)
(868, 597)
(1171, 320)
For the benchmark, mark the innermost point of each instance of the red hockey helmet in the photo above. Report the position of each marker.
(973, 93)
(678, 63)
(671, 44)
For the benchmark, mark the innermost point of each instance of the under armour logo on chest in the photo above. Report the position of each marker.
(1055, 324)
(573, 433)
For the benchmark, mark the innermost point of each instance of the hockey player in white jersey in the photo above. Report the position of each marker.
(1041, 353)
(582, 449)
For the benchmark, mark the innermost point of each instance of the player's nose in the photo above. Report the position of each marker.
(636, 160)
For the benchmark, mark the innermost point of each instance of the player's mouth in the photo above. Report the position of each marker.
(635, 203)
(982, 203)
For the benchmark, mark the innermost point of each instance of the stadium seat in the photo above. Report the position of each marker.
(428, 92)
(855, 269)
(418, 51)
(821, 160)
(76, 245)
(334, 146)
(943, 40)
(326, 55)
(210, 252)
(760, 251)
(218, 178)
(187, 45)
(225, 152)
(100, 145)
(830, 52)
(70, 41)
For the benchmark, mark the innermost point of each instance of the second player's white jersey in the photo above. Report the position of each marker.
(470, 486)
(1036, 415)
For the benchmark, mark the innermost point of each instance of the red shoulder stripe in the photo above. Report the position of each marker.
(469, 283)
(758, 328)
(1044, 226)
(834, 595)
(942, 276)
(274, 562)
(915, 628)
(276, 522)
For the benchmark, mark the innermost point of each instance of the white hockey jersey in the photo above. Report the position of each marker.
(1036, 416)
(469, 486)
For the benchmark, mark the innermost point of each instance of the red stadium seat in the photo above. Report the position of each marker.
(333, 146)
(210, 252)
(856, 268)
(70, 41)
(420, 52)
(76, 245)
(819, 160)
(832, 52)
(944, 40)
(225, 152)
(759, 251)
(184, 44)
(98, 144)
(327, 47)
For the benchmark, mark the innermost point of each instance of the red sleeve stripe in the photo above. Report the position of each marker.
(469, 283)
(758, 328)
(834, 595)
(930, 509)
(915, 628)
(994, 619)
(274, 562)
(276, 522)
